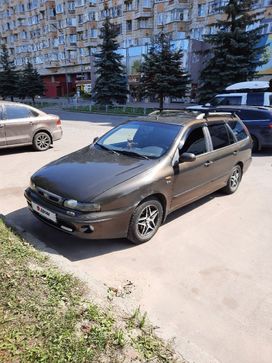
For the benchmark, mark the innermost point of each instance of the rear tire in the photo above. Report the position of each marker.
(41, 141)
(234, 180)
(145, 221)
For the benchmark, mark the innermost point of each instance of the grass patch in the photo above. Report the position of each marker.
(45, 317)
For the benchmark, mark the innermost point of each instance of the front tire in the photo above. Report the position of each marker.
(145, 221)
(41, 141)
(234, 180)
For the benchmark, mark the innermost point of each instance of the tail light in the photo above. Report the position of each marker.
(58, 122)
(269, 126)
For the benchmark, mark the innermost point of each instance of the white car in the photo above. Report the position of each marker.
(253, 93)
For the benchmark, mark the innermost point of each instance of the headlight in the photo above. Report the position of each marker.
(32, 185)
(84, 207)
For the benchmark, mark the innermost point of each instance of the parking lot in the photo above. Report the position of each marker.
(204, 279)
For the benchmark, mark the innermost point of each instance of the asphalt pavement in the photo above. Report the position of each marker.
(205, 278)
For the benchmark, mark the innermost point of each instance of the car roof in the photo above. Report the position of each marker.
(233, 108)
(185, 118)
(4, 102)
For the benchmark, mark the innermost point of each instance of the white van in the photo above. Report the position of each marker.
(253, 93)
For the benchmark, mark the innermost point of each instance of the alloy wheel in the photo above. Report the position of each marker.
(43, 141)
(235, 178)
(148, 220)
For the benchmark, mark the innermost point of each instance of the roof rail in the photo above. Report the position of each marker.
(207, 114)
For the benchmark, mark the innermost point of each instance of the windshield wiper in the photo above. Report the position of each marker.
(133, 153)
(107, 148)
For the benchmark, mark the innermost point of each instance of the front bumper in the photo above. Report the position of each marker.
(95, 225)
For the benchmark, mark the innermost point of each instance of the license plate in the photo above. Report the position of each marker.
(44, 212)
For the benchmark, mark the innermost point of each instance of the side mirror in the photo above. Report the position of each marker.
(95, 139)
(187, 157)
(207, 105)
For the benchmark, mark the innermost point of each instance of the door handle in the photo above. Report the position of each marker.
(30, 123)
(235, 152)
(208, 163)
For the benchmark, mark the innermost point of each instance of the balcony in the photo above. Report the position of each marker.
(143, 13)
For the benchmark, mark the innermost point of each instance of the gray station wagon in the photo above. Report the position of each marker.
(25, 125)
(126, 182)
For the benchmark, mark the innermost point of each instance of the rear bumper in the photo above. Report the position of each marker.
(96, 225)
(57, 134)
(247, 164)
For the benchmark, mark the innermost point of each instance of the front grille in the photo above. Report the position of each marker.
(51, 197)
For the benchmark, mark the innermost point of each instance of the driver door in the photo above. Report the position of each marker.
(192, 180)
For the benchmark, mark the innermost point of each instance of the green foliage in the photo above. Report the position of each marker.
(162, 72)
(136, 67)
(8, 75)
(111, 82)
(45, 318)
(30, 83)
(235, 52)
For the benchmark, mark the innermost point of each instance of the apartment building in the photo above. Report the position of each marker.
(60, 36)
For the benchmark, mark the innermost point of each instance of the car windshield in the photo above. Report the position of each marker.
(141, 139)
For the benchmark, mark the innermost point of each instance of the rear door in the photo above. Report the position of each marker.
(18, 120)
(2, 129)
(224, 154)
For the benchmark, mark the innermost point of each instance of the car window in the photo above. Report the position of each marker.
(195, 142)
(255, 99)
(15, 112)
(33, 113)
(247, 115)
(270, 100)
(219, 135)
(238, 130)
(228, 100)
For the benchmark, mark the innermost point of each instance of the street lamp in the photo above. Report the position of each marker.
(66, 75)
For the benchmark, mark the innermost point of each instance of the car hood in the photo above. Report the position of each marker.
(86, 173)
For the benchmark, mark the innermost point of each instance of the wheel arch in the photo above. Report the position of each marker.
(161, 198)
(42, 130)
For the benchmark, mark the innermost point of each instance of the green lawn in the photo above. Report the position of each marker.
(45, 317)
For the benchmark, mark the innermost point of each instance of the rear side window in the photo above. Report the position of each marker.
(220, 136)
(255, 99)
(14, 112)
(248, 115)
(238, 130)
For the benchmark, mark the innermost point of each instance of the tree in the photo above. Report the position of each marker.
(235, 52)
(162, 72)
(8, 75)
(31, 84)
(111, 82)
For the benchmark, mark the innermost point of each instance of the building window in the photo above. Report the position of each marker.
(59, 8)
(129, 25)
(201, 11)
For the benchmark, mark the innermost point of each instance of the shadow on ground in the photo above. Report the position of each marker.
(76, 249)
(264, 152)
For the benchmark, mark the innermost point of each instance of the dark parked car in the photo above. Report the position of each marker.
(25, 125)
(258, 120)
(128, 181)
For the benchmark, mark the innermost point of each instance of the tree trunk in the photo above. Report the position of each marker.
(11, 98)
(33, 99)
(161, 102)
